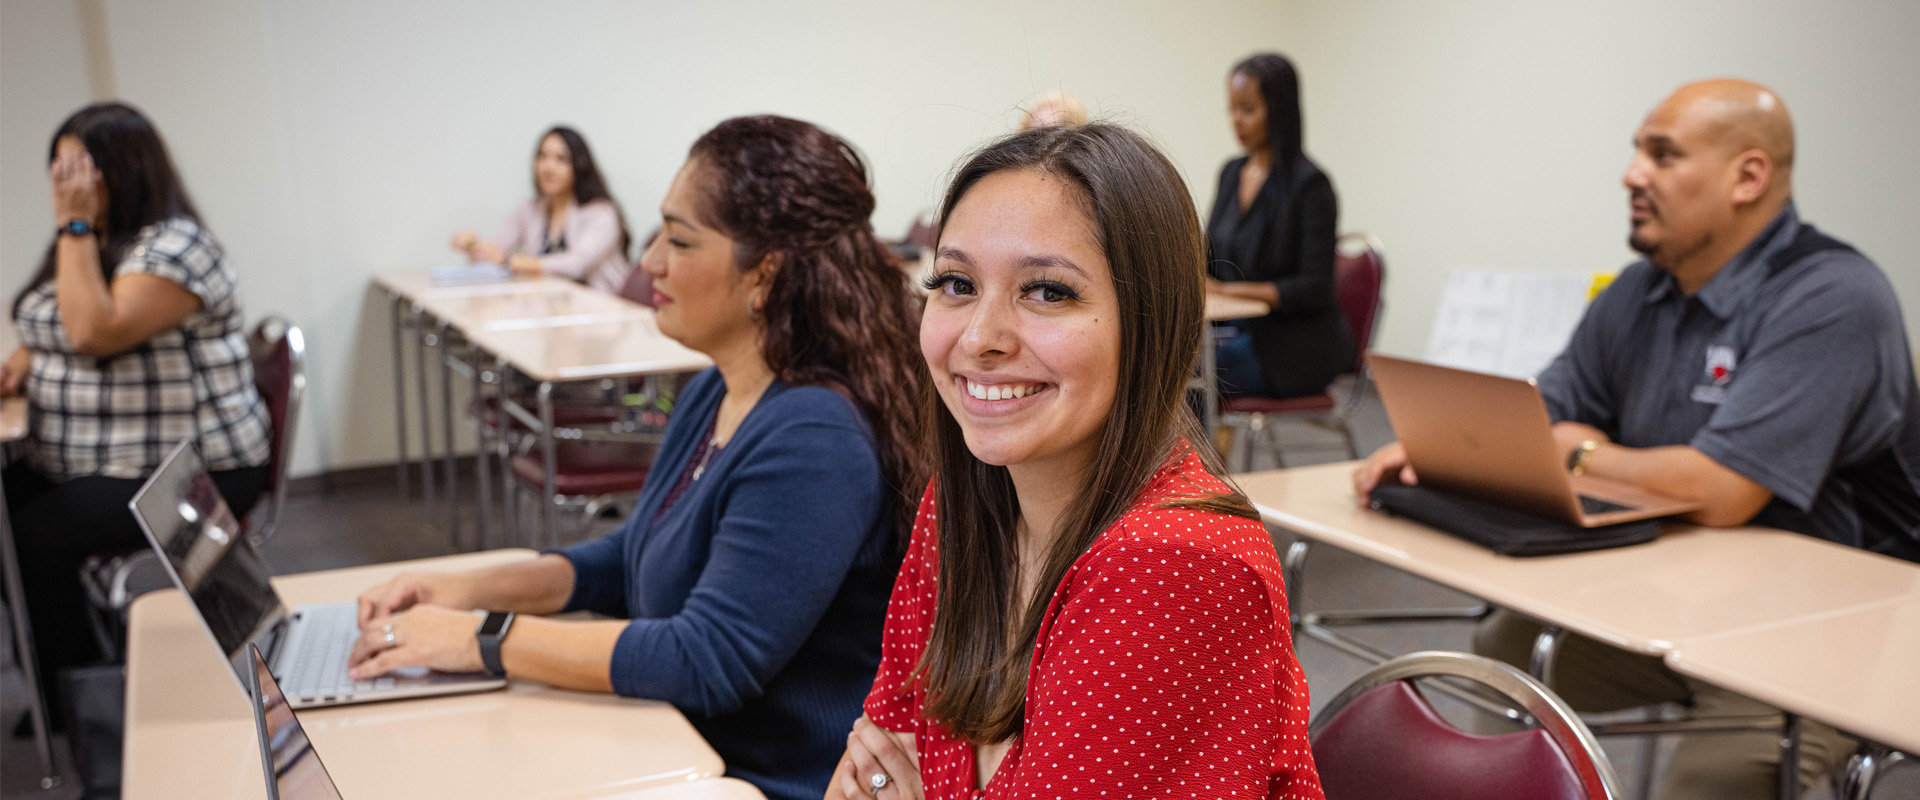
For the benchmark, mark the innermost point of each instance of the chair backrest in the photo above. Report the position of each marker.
(639, 284)
(1359, 271)
(279, 353)
(1381, 739)
(920, 233)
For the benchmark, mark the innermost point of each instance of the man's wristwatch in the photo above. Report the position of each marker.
(493, 630)
(75, 227)
(1578, 459)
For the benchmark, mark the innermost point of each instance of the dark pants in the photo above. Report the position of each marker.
(57, 526)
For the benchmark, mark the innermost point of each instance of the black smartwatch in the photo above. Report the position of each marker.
(75, 227)
(491, 632)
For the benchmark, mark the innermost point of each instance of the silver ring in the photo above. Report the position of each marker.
(879, 781)
(388, 637)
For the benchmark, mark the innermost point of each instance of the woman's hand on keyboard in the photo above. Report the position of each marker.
(411, 589)
(428, 636)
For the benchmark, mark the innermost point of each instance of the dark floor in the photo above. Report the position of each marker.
(369, 522)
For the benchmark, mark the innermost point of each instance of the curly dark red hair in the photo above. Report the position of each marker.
(838, 313)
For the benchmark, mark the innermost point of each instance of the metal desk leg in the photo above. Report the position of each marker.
(400, 390)
(1546, 649)
(23, 653)
(1789, 756)
(549, 530)
(1863, 769)
(1293, 571)
(509, 486)
(482, 477)
(423, 340)
(442, 332)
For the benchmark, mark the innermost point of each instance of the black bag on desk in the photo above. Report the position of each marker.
(1507, 531)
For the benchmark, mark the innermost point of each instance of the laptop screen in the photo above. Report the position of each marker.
(188, 523)
(293, 769)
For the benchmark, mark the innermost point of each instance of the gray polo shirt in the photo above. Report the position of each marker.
(1796, 375)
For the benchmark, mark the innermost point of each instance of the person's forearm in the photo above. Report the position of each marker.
(1682, 472)
(1253, 290)
(570, 654)
(539, 586)
(81, 293)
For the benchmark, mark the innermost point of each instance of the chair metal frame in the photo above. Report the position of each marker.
(1552, 714)
(1253, 427)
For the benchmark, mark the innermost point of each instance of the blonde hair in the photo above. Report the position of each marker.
(1051, 108)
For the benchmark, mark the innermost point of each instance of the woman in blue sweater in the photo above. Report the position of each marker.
(750, 584)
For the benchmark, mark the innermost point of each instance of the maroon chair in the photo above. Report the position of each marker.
(1359, 272)
(113, 580)
(1381, 740)
(588, 475)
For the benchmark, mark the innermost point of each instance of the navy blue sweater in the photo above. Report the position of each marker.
(757, 599)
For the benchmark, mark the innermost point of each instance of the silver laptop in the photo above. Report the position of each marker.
(292, 766)
(1490, 437)
(201, 544)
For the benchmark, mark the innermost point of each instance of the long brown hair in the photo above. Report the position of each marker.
(975, 674)
(142, 187)
(588, 185)
(838, 313)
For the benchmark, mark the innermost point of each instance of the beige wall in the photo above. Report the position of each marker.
(328, 141)
(1492, 134)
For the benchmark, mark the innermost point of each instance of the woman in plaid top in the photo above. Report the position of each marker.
(131, 340)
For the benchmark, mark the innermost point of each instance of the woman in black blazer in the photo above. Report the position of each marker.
(1271, 238)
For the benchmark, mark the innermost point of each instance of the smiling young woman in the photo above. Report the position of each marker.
(1085, 609)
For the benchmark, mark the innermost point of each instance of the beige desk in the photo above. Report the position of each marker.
(417, 285)
(633, 345)
(1853, 670)
(706, 789)
(1690, 583)
(190, 731)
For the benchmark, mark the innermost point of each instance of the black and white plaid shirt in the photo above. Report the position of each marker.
(118, 416)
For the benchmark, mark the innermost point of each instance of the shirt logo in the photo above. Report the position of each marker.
(1720, 363)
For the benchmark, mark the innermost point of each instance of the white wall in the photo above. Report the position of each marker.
(326, 142)
(44, 76)
(1493, 134)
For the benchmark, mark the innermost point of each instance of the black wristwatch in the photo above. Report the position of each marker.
(491, 632)
(75, 227)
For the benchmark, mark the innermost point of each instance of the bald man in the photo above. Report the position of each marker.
(1749, 362)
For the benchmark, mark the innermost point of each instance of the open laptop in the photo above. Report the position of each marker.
(1489, 437)
(210, 560)
(292, 766)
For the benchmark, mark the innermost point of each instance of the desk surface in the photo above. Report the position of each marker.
(417, 285)
(1854, 670)
(539, 308)
(1221, 308)
(1690, 583)
(630, 346)
(190, 732)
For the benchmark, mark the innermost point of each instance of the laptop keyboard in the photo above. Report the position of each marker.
(318, 668)
(1595, 505)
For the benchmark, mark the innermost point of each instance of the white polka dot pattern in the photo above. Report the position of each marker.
(1164, 667)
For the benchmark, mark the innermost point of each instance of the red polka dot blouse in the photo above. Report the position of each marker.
(1164, 667)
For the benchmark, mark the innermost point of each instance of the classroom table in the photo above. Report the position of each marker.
(1854, 670)
(190, 731)
(1220, 308)
(526, 325)
(627, 347)
(1696, 596)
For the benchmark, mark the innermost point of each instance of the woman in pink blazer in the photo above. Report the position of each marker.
(572, 226)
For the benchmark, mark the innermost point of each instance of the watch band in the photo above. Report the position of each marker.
(491, 632)
(1578, 459)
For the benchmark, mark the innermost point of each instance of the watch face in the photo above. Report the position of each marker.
(78, 227)
(494, 624)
